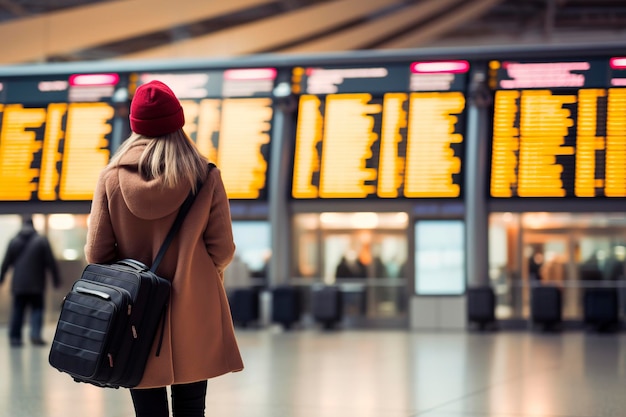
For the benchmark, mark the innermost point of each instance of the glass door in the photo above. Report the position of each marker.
(572, 250)
(574, 259)
(370, 268)
(363, 254)
(546, 260)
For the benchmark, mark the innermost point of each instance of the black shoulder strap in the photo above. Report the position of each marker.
(23, 244)
(184, 209)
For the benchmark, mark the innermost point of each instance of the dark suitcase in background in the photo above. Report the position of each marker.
(546, 305)
(244, 305)
(326, 305)
(481, 306)
(601, 308)
(108, 324)
(286, 306)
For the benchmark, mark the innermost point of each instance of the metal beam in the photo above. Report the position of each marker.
(471, 10)
(367, 33)
(37, 37)
(537, 37)
(550, 16)
(269, 33)
(13, 7)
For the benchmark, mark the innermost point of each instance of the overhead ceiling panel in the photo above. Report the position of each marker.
(71, 30)
(365, 34)
(269, 33)
(34, 38)
(470, 10)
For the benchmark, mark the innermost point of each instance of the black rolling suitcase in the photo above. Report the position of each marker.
(110, 318)
(481, 304)
(601, 308)
(286, 306)
(244, 305)
(545, 305)
(108, 323)
(326, 306)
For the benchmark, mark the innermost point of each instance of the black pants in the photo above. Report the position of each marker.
(188, 400)
(20, 303)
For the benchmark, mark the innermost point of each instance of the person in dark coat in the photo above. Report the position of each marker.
(30, 256)
(350, 266)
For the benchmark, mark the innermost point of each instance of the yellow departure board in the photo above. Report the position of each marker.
(53, 152)
(85, 150)
(228, 114)
(549, 143)
(358, 145)
(559, 129)
(235, 134)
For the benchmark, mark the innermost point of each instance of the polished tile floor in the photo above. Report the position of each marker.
(309, 373)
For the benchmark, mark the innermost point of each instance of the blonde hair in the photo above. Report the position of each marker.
(173, 157)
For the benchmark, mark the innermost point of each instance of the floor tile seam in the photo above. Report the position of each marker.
(290, 404)
(519, 376)
(499, 414)
(235, 386)
(489, 413)
(486, 388)
(310, 407)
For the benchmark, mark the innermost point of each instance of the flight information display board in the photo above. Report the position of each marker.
(559, 129)
(393, 131)
(55, 135)
(229, 115)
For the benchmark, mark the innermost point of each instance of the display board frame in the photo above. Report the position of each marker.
(57, 133)
(588, 161)
(378, 99)
(212, 97)
(476, 56)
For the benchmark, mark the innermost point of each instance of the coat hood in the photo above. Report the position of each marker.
(26, 232)
(147, 199)
(198, 338)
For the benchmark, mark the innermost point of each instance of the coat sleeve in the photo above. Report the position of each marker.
(218, 235)
(101, 242)
(7, 262)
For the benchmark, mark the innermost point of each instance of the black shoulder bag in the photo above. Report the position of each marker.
(110, 318)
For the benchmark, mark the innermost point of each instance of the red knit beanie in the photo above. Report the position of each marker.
(155, 110)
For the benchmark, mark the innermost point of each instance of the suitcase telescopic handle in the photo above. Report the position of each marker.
(131, 263)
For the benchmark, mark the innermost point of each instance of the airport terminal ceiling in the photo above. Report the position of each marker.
(146, 29)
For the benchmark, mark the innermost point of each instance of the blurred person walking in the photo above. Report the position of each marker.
(136, 200)
(30, 257)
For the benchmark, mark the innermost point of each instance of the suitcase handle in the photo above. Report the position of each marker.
(96, 293)
(131, 263)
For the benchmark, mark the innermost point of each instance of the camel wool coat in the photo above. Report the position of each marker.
(130, 218)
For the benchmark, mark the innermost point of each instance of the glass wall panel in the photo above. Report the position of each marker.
(252, 254)
(365, 254)
(69, 234)
(573, 251)
(440, 257)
